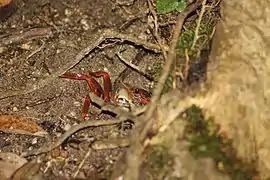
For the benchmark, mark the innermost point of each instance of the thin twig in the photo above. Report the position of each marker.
(124, 74)
(81, 163)
(167, 23)
(132, 19)
(135, 151)
(183, 75)
(187, 67)
(196, 36)
(23, 35)
(156, 34)
(111, 143)
(23, 132)
(52, 145)
(166, 69)
(36, 51)
(122, 116)
(134, 67)
(98, 38)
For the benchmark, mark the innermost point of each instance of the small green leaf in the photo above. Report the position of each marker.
(166, 6)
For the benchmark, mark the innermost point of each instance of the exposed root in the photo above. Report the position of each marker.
(19, 36)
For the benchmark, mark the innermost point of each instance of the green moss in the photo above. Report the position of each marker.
(156, 73)
(205, 141)
(186, 39)
(160, 161)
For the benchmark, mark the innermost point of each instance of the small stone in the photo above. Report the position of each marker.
(77, 104)
(62, 42)
(72, 114)
(85, 24)
(2, 49)
(34, 141)
(142, 36)
(66, 20)
(15, 108)
(68, 12)
(67, 127)
(26, 46)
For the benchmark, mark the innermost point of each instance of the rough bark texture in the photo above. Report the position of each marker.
(238, 94)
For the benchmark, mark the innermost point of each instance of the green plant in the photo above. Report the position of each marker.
(166, 6)
(185, 42)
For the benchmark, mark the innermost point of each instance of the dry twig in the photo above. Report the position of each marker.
(184, 75)
(156, 34)
(36, 51)
(197, 36)
(122, 115)
(140, 133)
(187, 67)
(30, 34)
(81, 163)
(134, 67)
(123, 75)
(97, 40)
(111, 143)
(52, 145)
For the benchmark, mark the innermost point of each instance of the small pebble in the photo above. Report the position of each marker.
(85, 24)
(34, 141)
(142, 36)
(58, 51)
(77, 104)
(68, 12)
(67, 127)
(62, 42)
(72, 114)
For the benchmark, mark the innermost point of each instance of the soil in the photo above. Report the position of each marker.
(52, 34)
(57, 106)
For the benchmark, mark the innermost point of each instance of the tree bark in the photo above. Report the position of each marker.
(238, 82)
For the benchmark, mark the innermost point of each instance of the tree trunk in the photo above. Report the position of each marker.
(238, 81)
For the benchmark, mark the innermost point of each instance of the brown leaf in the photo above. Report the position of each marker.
(4, 2)
(18, 124)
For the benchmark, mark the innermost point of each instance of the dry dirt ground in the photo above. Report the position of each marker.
(57, 105)
(69, 27)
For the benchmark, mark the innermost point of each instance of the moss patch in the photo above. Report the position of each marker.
(206, 141)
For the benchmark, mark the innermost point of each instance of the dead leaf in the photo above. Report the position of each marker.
(4, 2)
(19, 125)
